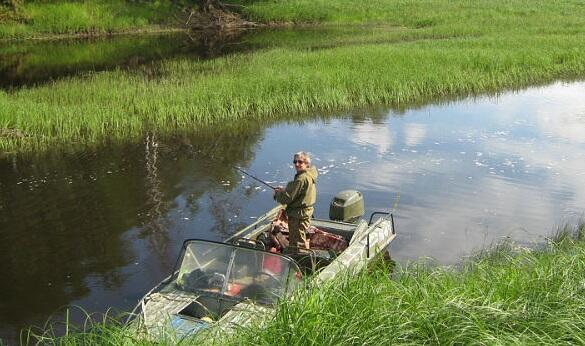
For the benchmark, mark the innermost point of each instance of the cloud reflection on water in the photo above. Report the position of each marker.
(509, 166)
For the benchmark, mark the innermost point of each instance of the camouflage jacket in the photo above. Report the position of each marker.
(300, 194)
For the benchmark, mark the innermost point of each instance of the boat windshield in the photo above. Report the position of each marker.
(238, 272)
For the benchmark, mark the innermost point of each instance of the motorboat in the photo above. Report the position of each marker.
(226, 284)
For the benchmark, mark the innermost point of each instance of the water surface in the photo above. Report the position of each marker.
(98, 228)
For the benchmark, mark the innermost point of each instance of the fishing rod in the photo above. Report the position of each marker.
(239, 169)
(255, 178)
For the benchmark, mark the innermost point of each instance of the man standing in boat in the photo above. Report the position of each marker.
(299, 196)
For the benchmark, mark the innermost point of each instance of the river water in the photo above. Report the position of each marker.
(97, 228)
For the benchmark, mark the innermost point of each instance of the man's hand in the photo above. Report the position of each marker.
(278, 189)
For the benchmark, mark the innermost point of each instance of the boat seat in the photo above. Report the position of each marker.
(312, 260)
(249, 243)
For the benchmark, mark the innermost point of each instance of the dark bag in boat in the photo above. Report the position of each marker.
(279, 239)
(276, 238)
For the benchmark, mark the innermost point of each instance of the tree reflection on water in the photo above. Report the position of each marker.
(67, 219)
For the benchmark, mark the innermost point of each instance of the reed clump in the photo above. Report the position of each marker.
(505, 295)
(435, 49)
(34, 19)
(270, 83)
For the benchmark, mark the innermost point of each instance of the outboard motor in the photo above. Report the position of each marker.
(347, 206)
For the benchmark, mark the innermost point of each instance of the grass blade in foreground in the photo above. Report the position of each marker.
(508, 295)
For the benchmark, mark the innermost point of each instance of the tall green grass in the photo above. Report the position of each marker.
(503, 295)
(267, 84)
(104, 330)
(467, 48)
(507, 295)
(495, 14)
(89, 17)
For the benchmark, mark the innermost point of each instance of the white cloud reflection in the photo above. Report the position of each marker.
(414, 134)
(375, 135)
(469, 173)
(569, 125)
(530, 175)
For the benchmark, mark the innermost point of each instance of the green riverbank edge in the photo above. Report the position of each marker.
(506, 295)
(75, 19)
(433, 50)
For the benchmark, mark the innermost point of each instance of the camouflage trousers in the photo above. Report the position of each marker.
(296, 232)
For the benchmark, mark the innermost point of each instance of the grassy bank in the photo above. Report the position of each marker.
(507, 295)
(477, 16)
(51, 18)
(424, 50)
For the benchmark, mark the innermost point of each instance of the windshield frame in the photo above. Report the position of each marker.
(287, 287)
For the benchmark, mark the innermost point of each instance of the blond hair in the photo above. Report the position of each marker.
(305, 156)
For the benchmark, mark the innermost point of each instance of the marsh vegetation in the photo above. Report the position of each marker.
(423, 51)
(504, 295)
(374, 54)
(54, 19)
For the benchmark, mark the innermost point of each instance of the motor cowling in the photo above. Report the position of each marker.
(347, 206)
